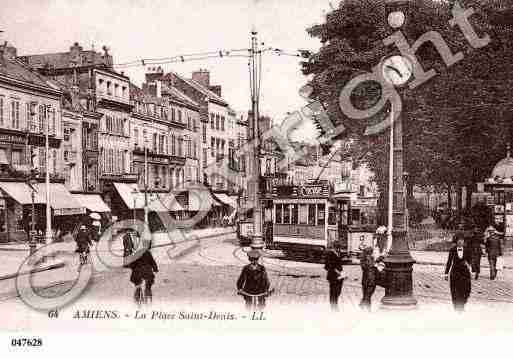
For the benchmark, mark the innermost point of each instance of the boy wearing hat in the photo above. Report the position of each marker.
(253, 280)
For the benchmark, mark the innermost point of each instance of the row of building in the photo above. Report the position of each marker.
(104, 132)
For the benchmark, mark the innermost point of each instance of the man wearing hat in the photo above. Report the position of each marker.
(335, 273)
(253, 280)
(493, 248)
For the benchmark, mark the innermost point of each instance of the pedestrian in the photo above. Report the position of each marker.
(144, 268)
(457, 270)
(335, 273)
(128, 245)
(83, 240)
(476, 246)
(253, 281)
(493, 249)
(381, 238)
(368, 277)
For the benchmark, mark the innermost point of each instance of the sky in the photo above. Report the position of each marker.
(137, 29)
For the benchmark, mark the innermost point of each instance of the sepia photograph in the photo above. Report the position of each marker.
(255, 166)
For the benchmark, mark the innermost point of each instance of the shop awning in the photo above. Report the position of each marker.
(131, 195)
(201, 200)
(21, 192)
(228, 200)
(61, 201)
(92, 202)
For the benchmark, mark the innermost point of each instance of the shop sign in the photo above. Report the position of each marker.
(68, 211)
(5, 137)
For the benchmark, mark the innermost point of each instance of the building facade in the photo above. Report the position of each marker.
(30, 107)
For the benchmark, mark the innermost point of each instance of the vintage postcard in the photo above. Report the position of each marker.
(287, 167)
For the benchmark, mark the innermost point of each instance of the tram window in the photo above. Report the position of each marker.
(303, 214)
(286, 213)
(332, 216)
(320, 214)
(294, 214)
(278, 213)
(311, 214)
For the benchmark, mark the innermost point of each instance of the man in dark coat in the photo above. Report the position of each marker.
(83, 240)
(253, 280)
(144, 268)
(494, 249)
(457, 270)
(368, 277)
(335, 273)
(476, 243)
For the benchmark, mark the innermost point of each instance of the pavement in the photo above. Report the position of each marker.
(13, 256)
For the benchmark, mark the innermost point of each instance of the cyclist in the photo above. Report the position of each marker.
(143, 268)
(253, 281)
(83, 240)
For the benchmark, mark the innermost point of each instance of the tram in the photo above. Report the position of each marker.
(308, 219)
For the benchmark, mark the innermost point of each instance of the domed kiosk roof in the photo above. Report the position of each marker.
(503, 170)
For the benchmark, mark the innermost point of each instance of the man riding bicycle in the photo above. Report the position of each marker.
(84, 241)
(253, 282)
(143, 269)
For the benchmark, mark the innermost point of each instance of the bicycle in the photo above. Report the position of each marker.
(256, 303)
(142, 294)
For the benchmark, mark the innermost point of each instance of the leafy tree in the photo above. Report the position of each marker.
(456, 125)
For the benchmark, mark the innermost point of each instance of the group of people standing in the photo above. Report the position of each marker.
(465, 258)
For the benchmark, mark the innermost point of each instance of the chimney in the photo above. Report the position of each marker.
(10, 52)
(203, 77)
(216, 89)
(154, 73)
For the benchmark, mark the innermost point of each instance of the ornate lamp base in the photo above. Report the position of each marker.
(399, 275)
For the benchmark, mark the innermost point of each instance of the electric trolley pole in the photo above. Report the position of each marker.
(254, 64)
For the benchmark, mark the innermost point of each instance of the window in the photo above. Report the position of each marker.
(136, 136)
(303, 214)
(222, 123)
(54, 161)
(155, 140)
(204, 125)
(294, 217)
(311, 214)
(15, 114)
(278, 213)
(212, 121)
(217, 122)
(180, 116)
(212, 146)
(16, 157)
(173, 145)
(321, 214)
(286, 213)
(161, 144)
(173, 119)
(42, 118)
(204, 157)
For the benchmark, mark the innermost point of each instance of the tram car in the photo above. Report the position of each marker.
(308, 220)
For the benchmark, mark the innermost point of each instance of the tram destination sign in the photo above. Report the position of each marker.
(317, 190)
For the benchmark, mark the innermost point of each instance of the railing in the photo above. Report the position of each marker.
(421, 236)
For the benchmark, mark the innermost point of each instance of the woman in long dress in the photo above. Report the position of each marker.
(458, 271)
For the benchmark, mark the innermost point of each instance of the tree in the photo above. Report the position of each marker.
(457, 124)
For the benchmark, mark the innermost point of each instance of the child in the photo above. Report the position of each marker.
(253, 280)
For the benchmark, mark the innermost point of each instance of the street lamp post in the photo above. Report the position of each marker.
(32, 233)
(146, 180)
(48, 233)
(397, 70)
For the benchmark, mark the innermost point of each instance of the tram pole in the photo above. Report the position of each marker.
(257, 241)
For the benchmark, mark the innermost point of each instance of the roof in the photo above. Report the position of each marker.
(19, 71)
(139, 94)
(504, 168)
(199, 87)
(62, 59)
(178, 95)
